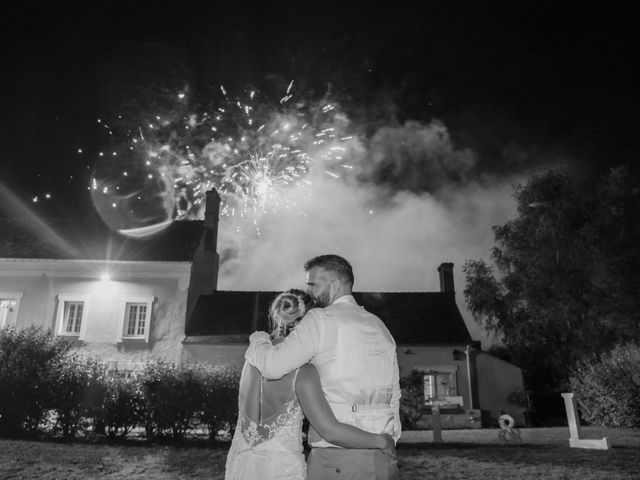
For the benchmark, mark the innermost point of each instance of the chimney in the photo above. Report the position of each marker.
(446, 277)
(211, 220)
(204, 272)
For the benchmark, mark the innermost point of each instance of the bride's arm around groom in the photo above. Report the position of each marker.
(300, 347)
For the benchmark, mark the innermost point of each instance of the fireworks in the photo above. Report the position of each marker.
(260, 157)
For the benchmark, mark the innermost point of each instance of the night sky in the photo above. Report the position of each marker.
(555, 81)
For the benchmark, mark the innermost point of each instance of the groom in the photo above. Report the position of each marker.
(356, 358)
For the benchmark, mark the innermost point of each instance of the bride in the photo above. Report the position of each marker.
(267, 442)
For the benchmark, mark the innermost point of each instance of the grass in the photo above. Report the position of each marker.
(543, 454)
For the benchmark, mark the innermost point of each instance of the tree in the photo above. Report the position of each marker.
(564, 283)
(615, 233)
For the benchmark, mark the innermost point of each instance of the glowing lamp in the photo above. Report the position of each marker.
(105, 277)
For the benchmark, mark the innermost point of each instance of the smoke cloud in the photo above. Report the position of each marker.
(413, 202)
(416, 158)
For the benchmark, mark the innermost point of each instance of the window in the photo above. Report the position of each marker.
(72, 318)
(9, 304)
(440, 383)
(136, 318)
(72, 315)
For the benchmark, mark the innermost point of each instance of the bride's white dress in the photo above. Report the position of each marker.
(267, 443)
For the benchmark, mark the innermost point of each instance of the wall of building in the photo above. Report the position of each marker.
(493, 380)
(232, 354)
(409, 357)
(438, 358)
(496, 381)
(102, 336)
(166, 329)
(36, 305)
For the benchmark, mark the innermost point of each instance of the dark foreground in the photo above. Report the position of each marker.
(464, 454)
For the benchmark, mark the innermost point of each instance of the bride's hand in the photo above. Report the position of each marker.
(259, 335)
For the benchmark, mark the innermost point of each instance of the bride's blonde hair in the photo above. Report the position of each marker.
(286, 310)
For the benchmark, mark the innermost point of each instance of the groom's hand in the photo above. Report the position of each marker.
(390, 445)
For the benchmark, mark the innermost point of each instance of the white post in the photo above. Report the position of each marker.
(468, 353)
(574, 427)
(435, 421)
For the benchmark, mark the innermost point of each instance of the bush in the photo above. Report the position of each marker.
(219, 408)
(122, 407)
(77, 392)
(44, 387)
(412, 404)
(607, 389)
(172, 397)
(27, 359)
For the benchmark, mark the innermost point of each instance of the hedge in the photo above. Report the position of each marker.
(28, 360)
(44, 388)
(607, 388)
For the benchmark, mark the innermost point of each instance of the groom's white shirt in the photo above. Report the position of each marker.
(355, 356)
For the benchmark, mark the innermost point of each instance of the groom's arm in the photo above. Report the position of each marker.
(297, 349)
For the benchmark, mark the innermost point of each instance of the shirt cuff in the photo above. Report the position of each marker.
(256, 336)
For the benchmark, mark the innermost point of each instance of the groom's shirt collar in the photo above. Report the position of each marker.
(344, 299)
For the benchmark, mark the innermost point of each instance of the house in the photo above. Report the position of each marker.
(121, 299)
(430, 334)
(127, 300)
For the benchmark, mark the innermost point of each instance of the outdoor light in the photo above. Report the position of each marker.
(105, 277)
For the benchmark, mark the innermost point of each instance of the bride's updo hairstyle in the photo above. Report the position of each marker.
(286, 310)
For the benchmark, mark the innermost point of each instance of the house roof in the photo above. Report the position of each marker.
(411, 317)
(90, 239)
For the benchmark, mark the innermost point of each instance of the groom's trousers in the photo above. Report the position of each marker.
(351, 464)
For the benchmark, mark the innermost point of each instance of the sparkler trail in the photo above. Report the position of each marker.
(259, 156)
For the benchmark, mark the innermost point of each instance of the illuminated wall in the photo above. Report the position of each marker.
(44, 286)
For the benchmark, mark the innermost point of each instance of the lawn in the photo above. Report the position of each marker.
(543, 454)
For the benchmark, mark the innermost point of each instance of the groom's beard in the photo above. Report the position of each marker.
(323, 299)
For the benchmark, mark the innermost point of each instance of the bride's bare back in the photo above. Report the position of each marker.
(262, 400)
(267, 443)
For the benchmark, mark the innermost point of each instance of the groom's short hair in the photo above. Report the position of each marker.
(334, 264)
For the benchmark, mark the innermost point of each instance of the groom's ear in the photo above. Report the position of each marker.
(334, 287)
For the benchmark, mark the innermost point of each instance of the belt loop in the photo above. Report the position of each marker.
(354, 408)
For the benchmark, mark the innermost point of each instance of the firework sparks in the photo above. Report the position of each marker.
(257, 156)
